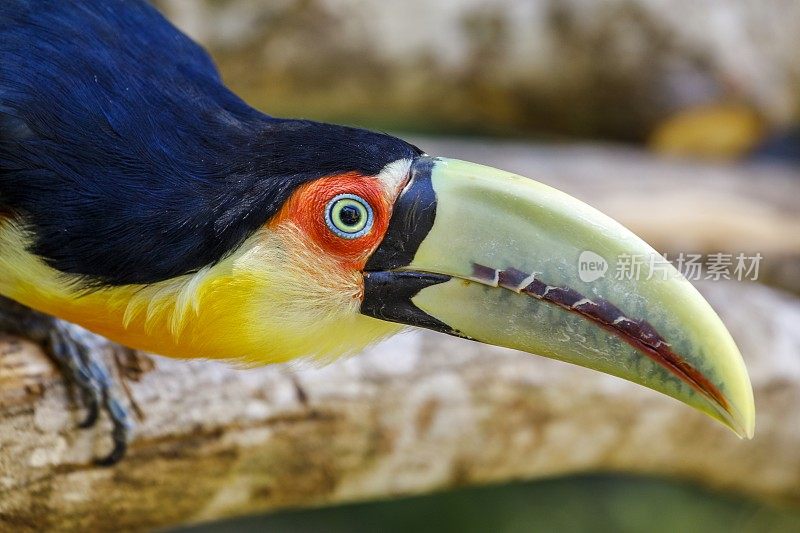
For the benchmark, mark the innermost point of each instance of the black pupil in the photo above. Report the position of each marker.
(350, 215)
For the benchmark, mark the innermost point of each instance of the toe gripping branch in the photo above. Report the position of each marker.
(72, 348)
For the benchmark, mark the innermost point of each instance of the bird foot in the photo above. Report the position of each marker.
(75, 350)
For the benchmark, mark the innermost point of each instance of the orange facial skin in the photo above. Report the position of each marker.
(306, 209)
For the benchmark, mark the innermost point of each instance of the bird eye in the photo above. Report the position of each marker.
(349, 216)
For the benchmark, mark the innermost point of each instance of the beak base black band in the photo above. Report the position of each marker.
(387, 296)
(412, 219)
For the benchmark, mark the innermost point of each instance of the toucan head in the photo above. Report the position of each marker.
(394, 237)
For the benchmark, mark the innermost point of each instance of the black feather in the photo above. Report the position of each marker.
(128, 159)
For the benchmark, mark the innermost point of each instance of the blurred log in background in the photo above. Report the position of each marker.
(613, 70)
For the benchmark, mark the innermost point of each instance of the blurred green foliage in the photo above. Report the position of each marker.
(595, 503)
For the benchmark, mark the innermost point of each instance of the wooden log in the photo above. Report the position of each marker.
(418, 413)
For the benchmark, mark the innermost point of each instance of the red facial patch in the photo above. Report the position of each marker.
(307, 206)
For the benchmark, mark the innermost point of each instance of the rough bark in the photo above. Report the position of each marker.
(418, 413)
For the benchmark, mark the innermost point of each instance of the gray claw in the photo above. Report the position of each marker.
(71, 347)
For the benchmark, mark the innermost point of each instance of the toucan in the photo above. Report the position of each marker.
(141, 200)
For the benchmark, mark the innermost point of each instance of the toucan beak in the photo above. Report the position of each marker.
(487, 255)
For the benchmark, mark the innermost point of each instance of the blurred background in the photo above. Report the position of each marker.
(623, 70)
(680, 118)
